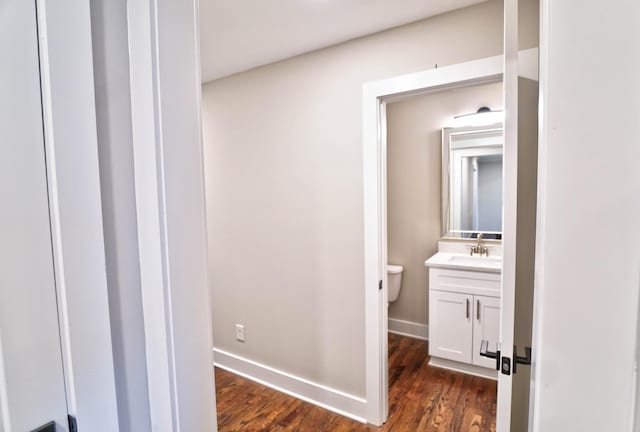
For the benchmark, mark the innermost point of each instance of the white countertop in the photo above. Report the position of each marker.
(457, 261)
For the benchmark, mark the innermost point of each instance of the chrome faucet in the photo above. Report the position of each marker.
(479, 247)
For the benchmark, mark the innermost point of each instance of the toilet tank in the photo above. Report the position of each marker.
(394, 277)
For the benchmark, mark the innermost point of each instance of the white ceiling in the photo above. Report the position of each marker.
(237, 35)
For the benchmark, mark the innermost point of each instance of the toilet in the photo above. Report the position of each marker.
(394, 277)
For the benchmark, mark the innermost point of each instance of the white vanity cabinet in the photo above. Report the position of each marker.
(486, 326)
(464, 309)
(450, 325)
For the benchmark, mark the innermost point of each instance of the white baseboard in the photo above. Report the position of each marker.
(408, 328)
(331, 399)
(464, 368)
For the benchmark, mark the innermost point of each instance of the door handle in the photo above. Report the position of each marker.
(478, 309)
(506, 361)
(49, 427)
(467, 308)
(484, 352)
(526, 360)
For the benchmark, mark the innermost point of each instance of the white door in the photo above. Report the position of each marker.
(486, 326)
(32, 391)
(519, 221)
(451, 325)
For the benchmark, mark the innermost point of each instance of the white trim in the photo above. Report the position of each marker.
(468, 369)
(5, 419)
(374, 172)
(374, 96)
(56, 238)
(541, 216)
(145, 124)
(325, 397)
(170, 207)
(509, 206)
(66, 67)
(409, 328)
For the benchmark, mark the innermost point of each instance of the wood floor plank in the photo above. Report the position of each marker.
(421, 398)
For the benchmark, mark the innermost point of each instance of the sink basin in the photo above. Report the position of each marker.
(465, 262)
(474, 260)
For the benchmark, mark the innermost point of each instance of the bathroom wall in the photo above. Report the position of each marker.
(414, 187)
(283, 149)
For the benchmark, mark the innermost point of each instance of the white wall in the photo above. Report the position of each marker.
(588, 254)
(115, 147)
(414, 185)
(283, 150)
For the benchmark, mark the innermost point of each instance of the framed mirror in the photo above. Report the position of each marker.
(472, 181)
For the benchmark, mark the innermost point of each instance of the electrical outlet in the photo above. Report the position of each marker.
(240, 332)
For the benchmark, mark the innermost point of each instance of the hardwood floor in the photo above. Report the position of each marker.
(421, 398)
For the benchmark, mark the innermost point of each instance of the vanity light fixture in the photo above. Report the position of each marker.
(483, 117)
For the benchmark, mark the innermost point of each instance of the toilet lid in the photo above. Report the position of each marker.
(394, 268)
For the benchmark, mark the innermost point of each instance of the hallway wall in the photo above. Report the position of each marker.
(283, 150)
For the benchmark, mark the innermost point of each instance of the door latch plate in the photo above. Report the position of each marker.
(506, 366)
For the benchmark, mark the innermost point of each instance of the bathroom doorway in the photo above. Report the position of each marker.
(383, 231)
(444, 185)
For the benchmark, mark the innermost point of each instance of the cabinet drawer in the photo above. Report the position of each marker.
(466, 282)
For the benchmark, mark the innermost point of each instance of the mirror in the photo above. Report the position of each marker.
(472, 181)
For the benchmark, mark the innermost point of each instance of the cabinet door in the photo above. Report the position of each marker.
(450, 325)
(486, 318)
